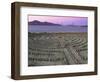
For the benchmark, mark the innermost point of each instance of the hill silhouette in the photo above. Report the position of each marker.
(36, 22)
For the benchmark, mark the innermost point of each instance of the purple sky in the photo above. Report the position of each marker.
(64, 20)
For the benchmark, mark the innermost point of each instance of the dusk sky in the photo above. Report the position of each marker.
(63, 20)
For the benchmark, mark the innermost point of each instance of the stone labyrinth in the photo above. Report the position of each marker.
(57, 49)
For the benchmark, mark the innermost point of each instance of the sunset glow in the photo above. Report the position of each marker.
(64, 20)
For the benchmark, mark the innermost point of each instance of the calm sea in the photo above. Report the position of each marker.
(38, 28)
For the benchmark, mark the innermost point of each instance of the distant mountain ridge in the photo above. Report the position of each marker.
(36, 22)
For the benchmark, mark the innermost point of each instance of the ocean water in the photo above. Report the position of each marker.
(45, 28)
